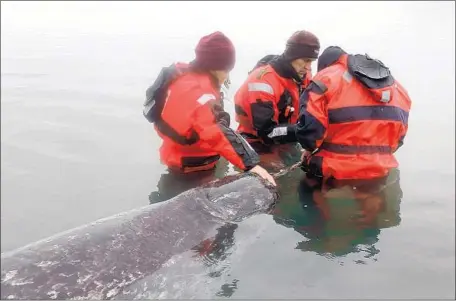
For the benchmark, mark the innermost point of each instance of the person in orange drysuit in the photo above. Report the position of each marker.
(185, 105)
(267, 103)
(353, 117)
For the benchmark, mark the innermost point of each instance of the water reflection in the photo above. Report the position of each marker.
(340, 218)
(213, 253)
(172, 183)
(278, 157)
(216, 249)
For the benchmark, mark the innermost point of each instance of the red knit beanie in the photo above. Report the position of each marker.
(215, 52)
(302, 44)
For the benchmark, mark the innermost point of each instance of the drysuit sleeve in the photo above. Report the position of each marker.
(212, 123)
(313, 116)
(402, 134)
(407, 103)
(264, 99)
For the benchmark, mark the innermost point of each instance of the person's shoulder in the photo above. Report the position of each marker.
(329, 77)
(268, 77)
(192, 82)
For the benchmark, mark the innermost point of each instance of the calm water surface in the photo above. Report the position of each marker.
(75, 148)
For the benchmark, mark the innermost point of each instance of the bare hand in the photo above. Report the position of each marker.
(264, 174)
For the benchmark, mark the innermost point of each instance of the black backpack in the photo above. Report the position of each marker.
(264, 61)
(156, 93)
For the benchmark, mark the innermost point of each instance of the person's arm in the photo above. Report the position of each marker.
(402, 134)
(211, 123)
(264, 110)
(407, 102)
(313, 116)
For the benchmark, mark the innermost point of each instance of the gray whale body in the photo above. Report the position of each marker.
(99, 260)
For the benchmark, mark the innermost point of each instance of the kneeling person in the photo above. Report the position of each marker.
(185, 106)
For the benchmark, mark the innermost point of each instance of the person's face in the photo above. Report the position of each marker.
(221, 75)
(302, 66)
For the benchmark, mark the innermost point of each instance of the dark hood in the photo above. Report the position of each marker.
(280, 65)
(264, 61)
(283, 68)
(329, 56)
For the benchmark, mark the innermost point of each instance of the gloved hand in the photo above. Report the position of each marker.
(305, 154)
(304, 160)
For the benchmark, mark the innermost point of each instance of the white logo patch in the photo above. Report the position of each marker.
(278, 131)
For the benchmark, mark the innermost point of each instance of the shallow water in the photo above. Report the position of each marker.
(75, 148)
